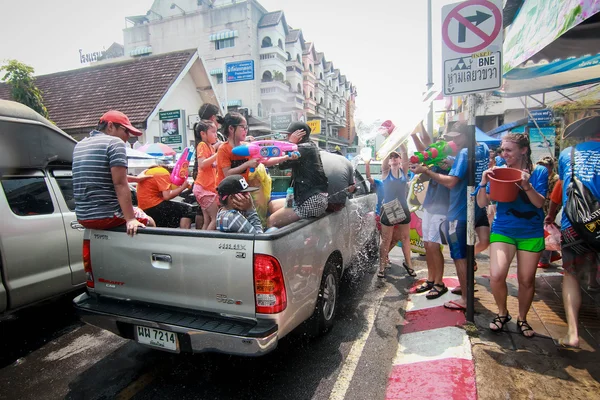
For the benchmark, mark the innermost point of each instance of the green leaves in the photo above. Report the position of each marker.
(20, 77)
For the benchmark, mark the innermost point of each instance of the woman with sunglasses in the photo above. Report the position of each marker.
(518, 229)
(394, 213)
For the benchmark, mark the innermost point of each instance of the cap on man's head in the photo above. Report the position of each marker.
(234, 184)
(456, 130)
(294, 126)
(117, 117)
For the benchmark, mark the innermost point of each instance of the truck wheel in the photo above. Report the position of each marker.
(322, 319)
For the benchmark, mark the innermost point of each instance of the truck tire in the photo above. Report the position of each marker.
(322, 319)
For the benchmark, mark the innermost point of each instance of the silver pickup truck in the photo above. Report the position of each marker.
(40, 239)
(197, 291)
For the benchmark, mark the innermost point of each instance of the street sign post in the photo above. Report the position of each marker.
(472, 62)
(280, 122)
(472, 46)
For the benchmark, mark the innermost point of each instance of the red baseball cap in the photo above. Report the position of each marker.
(117, 117)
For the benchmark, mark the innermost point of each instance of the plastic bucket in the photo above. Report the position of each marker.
(504, 184)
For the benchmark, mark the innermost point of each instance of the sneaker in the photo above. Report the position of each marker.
(543, 265)
(555, 257)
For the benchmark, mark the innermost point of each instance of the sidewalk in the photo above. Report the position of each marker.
(441, 356)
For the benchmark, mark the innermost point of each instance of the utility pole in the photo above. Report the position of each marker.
(429, 69)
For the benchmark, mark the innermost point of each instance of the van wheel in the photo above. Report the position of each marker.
(322, 319)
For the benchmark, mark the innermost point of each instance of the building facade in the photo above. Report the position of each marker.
(257, 63)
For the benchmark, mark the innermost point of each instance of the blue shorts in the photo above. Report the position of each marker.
(454, 234)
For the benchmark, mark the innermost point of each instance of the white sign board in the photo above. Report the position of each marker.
(472, 46)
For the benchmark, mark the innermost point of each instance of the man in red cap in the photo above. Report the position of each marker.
(100, 186)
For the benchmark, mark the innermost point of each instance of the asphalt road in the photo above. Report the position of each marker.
(47, 353)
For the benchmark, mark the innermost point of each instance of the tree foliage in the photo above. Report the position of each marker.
(23, 89)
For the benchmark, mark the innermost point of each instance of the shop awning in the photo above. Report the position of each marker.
(140, 51)
(481, 137)
(223, 35)
(549, 77)
(216, 71)
(550, 28)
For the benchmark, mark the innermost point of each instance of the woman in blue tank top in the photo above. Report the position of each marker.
(394, 213)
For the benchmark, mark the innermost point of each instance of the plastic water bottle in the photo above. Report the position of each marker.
(289, 198)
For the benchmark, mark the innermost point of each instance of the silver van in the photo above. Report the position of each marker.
(40, 239)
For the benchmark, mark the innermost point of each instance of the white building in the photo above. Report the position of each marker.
(291, 79)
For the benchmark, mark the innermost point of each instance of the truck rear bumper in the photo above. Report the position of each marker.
(197, 332)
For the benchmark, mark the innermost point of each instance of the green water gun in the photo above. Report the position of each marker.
(435, 154)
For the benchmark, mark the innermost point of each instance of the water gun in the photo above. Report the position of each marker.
(263, 149)
(180, 170)
(434, 154)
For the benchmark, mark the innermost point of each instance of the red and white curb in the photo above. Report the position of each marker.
(434, 358)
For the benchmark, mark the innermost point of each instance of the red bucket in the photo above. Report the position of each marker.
(504, 184)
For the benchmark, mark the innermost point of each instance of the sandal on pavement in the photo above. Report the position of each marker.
(499, 322)
(523, 327)
(434, 293)
(424, 287)
(409, 270)
(381, 274)
(457, 290)
(452, 305)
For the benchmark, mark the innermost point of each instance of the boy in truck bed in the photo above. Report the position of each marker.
(237, 213)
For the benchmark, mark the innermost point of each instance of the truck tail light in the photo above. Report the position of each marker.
(87, 264)
(269, 286)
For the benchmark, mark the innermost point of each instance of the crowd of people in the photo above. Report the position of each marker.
(322, 181)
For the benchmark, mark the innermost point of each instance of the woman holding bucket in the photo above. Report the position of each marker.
(518, 227)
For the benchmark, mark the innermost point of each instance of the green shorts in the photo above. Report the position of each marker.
(534, 245)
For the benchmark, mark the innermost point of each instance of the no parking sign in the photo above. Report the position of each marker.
(472, 46)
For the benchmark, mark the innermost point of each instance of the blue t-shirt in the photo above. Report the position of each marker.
(500, 161)
(458, 194)
(587, 170)
(520, 219)
(380, 193)
(437, 197)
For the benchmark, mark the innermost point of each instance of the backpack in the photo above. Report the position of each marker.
(583, 210)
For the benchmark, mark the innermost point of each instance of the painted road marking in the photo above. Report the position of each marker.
(347, 373)
(135, 387)
(435, 344)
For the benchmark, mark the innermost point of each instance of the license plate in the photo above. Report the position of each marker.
(157, 338)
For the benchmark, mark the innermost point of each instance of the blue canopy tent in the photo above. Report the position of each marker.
(481, 137)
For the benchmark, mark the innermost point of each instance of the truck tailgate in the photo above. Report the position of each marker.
(210, 273)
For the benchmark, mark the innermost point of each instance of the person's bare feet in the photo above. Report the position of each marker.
(568, 342)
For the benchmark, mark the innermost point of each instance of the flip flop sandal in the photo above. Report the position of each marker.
(424, 287)
(523, 327)
(381, 274)
(409, 270)
(500, 321)
(434, 293)
(452, 305)
(457, 290)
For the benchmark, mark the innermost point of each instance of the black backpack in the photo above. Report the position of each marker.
(583, 210)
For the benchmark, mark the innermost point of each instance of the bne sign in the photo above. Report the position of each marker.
(472, 46)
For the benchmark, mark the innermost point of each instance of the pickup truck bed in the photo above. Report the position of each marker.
(186, 290)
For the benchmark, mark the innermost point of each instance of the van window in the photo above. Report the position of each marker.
(375, 169)
(28, 196)
(66, 188)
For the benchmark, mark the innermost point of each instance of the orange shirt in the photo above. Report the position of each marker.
(226, 159)
(556, 195)
(206, 176)
(149, 191)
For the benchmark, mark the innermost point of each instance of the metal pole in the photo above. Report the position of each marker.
(224, 107)
(471, 144)
(429, 69)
